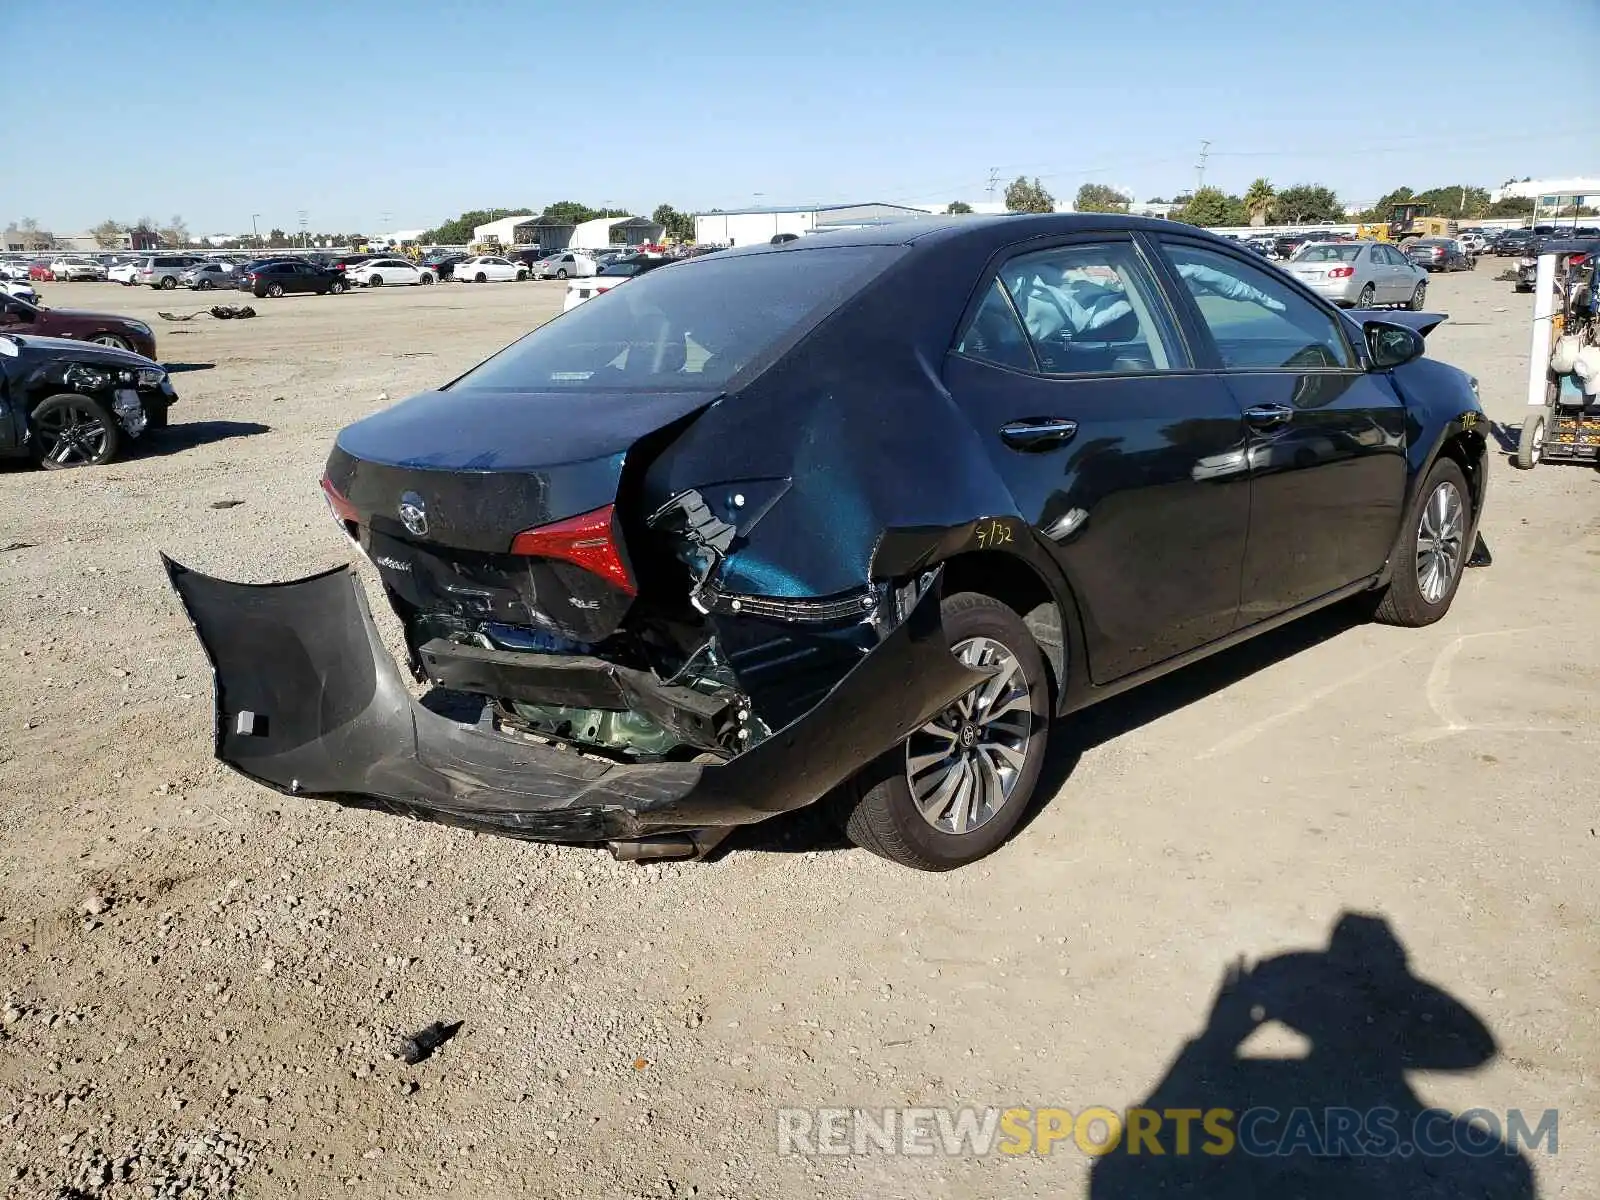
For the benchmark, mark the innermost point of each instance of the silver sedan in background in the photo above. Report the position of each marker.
(1360, 274)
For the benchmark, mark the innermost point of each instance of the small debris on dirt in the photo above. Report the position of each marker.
(421, 1044)
(10, 546)
(96, 904)
(226, 503)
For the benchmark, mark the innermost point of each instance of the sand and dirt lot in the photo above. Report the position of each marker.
(202, 981)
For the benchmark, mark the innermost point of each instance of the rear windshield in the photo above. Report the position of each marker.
(697, 325)
(1328, 254)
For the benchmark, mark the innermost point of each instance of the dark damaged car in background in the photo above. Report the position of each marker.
(67, 404)
(856, 516)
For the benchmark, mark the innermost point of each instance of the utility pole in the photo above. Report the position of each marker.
(254, 228)
(1200, 167)
(302, 229)
(994, 182)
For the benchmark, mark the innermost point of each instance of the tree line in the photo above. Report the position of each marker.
(457, 232)
(1264, 204)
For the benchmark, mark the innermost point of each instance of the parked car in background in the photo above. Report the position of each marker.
(20, 288)
(13, 268)
(608, 277)
(565, 265)
(125, 273)
(489, 268)
(344, 262)
(1285, 245)
(166, 270)
(203, 277)
(1438, 254)
(1514, 243)
(1114, 446)
(1474, 241)
(287, 277)
(383, 272)
(1360, 274)
(40, 272)
(443, 265)
(68, 404)
(77, 269)
(104, 329)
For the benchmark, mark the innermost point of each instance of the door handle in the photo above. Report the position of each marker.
(1269, 416)
(1038, 433)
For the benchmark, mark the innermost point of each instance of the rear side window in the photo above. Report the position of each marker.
(995, 333)
(1258, 320)
(1089, 309)
(696, 325)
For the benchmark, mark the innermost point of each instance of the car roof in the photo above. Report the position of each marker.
(998, 230)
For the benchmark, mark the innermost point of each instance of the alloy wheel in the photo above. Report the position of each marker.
(963, 765)
(71, 434)
(109, 339)
(1441, 538)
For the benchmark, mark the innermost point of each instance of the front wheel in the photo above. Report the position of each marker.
(1433, 550)
(74, 431)
(1530, 442)
(955, 789)
(426, 280)
(1419, 297)
(522, 276)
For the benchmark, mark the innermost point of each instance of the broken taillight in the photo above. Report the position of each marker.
(343, 511)
(586, 540)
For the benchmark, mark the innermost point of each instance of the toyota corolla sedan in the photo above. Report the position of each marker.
(854, 516)
(1360, 274)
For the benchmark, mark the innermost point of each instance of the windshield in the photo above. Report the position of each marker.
(1327, 253)
(697, 325)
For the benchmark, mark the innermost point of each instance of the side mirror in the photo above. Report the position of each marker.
(1392, 345)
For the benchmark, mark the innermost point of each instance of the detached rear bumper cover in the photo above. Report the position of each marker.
(309, 702)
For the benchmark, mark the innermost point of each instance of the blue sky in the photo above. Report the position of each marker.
(356, 111)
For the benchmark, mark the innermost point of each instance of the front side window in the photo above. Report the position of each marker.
(1089, 309)
(1258, 321)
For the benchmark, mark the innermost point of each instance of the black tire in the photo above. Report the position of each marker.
(1522, 287)
(522, 276)
(168, 282)
(1403, 602)
(1419, 297)
(1368, 297)
(426, 280)
(94, 433)
(562, 273)
(880, 812)
(204, 285)
(337, 287)
(275, 290)
(1530, 442)
(480, 277)
(374, 280)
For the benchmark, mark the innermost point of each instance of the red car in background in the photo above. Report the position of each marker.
(41, 271)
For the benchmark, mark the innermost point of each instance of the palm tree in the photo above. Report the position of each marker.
(1258, 201)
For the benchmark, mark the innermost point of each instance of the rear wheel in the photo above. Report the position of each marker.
(1368, 295)
(374, 280)
(205, 285)
(74, 431)
(1530, 443)
(168, 282)
(480, 277)
(337, 287)
(1433, 551)
(562, 273)
(275, 290)
(956, 788)
(1419, 297)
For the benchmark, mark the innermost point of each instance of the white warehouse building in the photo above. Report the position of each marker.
(755, 226)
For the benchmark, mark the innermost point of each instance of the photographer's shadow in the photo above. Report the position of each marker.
(1340, 1122)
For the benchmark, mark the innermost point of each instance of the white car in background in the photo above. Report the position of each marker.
(388, 272)
(21, 289)
(489, 268)
(564, 265)
(125, 273)
(15, 268)
(609, 276)
(77, 268)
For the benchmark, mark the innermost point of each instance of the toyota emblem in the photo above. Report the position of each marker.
(414, 514)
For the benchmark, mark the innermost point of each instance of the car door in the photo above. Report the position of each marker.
(1391, 276)
(1128, 462)
(1327, 436)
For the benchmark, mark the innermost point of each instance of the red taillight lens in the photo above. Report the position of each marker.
(343, 511)
(586, 540)
(1341, 272)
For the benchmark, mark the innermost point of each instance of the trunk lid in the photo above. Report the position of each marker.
(489, 464)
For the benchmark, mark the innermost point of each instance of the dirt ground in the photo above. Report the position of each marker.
(203, 981)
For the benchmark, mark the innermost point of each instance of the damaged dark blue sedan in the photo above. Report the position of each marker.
(859, 514)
